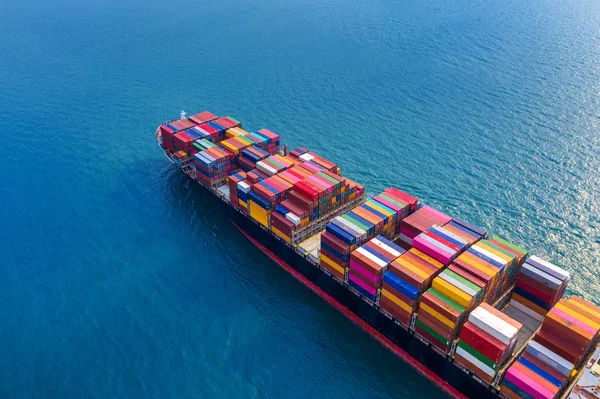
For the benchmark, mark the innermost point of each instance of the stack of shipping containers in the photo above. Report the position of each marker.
(557, 351)
(347, 232)
(369, 263)
(539, 285)
(433, 273)
(487, 341)
(407, 278)
(419, 221)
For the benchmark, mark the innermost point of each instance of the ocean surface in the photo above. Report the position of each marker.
(119, 279)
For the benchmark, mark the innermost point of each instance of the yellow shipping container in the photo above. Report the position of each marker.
(437, 315)
(578, 316)
(331, 263)
(231, 133)
(493, 250)
(452, 292)
(427, 258)
(243, 204)
(281, 235)
(486, 268)
(258, 213)
(407, 307)
(230, 147)
(585, 310)
(414, 268)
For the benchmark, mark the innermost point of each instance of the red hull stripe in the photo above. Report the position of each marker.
(420, 368)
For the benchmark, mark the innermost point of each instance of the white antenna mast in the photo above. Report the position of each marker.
(182, 115)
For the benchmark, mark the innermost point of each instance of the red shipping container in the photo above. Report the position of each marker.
(246, 163)
(482, 342)
(437, 326)
(534, 291)
(202, 117)
(557, 347)
(301, 200)
(334, 258)
(395, 310)
(281, 223)
(209, 129)
(434, 341)
(264, 192)
(412, 201)
(441, 240)
(424, 265)
(562, 330)
(470, 366)
(167, 139)
(332, 270)
(381, 250)
(335, 243)
(183, 142)
(306, 191)
(468, 276)
(554, 373)
(442, 308)
(412, 278)
(290, 206)
(472, 270)
(225, 122)
(181, 124)
(399, 295)
(538, 286)
(366, 263)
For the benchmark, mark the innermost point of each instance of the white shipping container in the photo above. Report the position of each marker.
(529, 312)
(490, 255)
(476, 362)
(266, 169)
(437, 244)
(372, 257)
(386, 247)
(292, 218)
(541, 276)
(549, 268)
(458, 284)
(351, 226)
(452, 235)
(553, 360)
(493, 325)
(244, 187)
(306, 157)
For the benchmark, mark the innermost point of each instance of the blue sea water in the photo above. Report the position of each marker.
(119, 279)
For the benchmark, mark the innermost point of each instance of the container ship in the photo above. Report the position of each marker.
(475, 314)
